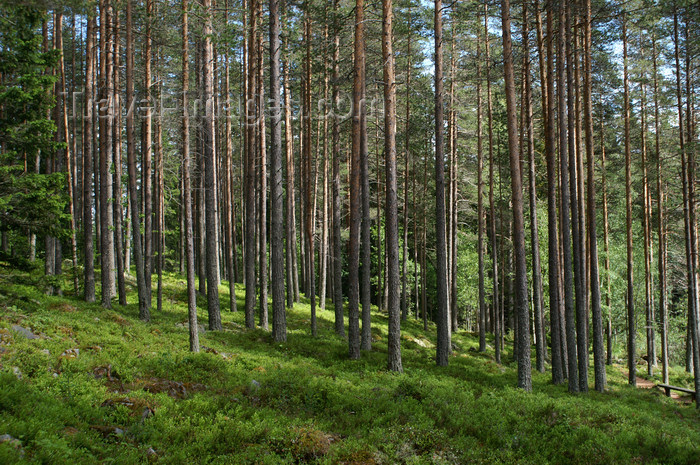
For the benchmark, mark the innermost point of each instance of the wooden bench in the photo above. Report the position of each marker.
(668, 388)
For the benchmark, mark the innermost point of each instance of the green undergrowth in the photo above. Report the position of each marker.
(132, 393)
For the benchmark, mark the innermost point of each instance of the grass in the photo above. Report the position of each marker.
(132, 393)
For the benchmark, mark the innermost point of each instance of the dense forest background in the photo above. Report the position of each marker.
(523, 169)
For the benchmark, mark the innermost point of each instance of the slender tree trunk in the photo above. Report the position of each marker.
(365, 232)
(229, 204)
(575, 201)
(646, 227)
(606, 240)
(661, 225)
(443, 340)
(58, 27)
(262, 194)
(521, 297)
(292, 269)
(89, 254)
(337, 206)
(534, 230)
(118, 212)
(392, 220)
(495, 313)
(279, 322)
(187, 188)
(146, 153)
(691, 342)
(480, 199)
(107, 108)
(250, 277)
(594, 280)
(358, 95)
(405, 293)
(144, 295)
(323, 253)
(310, 184)
(570, 315)
(209, 168)
(631, 326)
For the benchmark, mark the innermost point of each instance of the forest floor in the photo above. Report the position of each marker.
(82, 384)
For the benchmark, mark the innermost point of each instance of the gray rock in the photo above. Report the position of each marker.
(17, 372)
(14, 442)
(254, 385)
(24, 332)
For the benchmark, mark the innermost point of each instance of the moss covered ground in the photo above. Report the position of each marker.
(100, 386)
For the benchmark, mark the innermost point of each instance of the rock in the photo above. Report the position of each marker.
(24, 332)
(70, 353)
(17, 372)
(14, 442)
(254, 385)
(46, 351)
(9, 439)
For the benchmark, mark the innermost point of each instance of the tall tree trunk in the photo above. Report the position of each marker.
(323, 252)
(118, 212)
(521, 297)
(606, 240)
(262, 193)
(594, 280)
(392, 220)
(209, 176)
(292, 268)
(534, 230)
(646, 226)
(405, 296)
(229, 204)
(480, 198)
(631, 326)
(146, 153)
(337, 206)
(310, 184)
(279, 322)
(250, 278)
(443, 339)
(144, 294)
(495, 313)
(187, 188)
(58, 28)
(570, 316)
(107, 108)
(691, 342)
(575, 201)
(663, 311)
(358, 95)
(89, 254)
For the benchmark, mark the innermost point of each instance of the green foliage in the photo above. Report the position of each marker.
(245, 399)
(28, 200)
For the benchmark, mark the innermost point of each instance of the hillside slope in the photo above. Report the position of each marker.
(80, 384)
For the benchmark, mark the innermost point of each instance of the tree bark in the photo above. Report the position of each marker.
(521, 297)
(534, 229)
(250, 277)
(663, 310)
(358, 127)
(279, 322)
(337, 206)
(106, 113)
(443, 339)
(187, 188)
(209, 168)
(631, 327)
(392, 220)
(89, 254)
(594, 281)
(569, 312)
